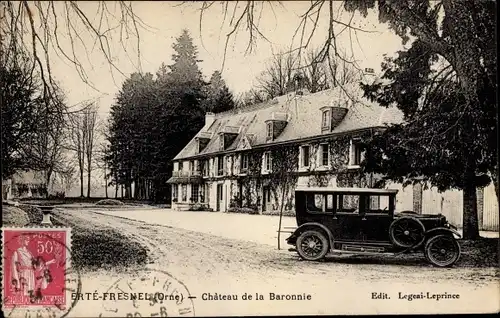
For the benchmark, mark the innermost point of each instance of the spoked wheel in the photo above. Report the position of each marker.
(442, 250)
(407, 232)
(312, 245)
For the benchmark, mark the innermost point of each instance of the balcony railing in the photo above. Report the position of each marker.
(193, 173)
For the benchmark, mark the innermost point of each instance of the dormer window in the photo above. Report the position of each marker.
(269, 129)
(227, 136)
(331, 117)
(325, 121)
(203, 141)
(275, 125)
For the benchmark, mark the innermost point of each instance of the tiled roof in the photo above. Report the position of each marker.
(304, 118)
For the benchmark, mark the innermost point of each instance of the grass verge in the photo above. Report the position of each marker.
(14, 216)
(95, 246)
(480, 253)
(109, 202)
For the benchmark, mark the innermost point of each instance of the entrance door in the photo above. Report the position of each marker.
(219, 196)
(266, 197)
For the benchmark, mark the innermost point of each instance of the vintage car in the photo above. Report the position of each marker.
(363, 221)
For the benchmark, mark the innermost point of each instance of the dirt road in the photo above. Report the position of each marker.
(210, 266)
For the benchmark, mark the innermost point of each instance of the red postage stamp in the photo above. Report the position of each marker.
(35, 263)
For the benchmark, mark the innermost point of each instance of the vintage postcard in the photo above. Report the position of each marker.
(249, 158)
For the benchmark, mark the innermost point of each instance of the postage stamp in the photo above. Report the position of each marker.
(36, 268)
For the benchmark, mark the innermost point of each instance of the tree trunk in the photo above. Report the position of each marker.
(106, 186)
(137, 183)
(88, 185)
(49, 174)
(470, 219)
(116, 191)
(281, 216)
(105, 180)
(81, 183)
(494, 179)
(128, 188)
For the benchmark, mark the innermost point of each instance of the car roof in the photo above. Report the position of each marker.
(343, 190)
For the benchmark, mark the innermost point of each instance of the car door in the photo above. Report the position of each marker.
(347, 218)
(378, 218)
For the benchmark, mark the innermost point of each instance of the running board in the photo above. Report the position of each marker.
(361, 252)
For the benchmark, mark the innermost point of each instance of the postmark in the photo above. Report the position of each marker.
(37, 274)
(148, 293)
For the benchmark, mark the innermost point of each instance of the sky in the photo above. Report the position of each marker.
(165, 22)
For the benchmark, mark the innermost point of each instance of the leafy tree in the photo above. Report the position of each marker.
(448, 99)
(130, 131)
(20, 105)
(218, 96)
(225, 101)
(153, 119)
(185, 67)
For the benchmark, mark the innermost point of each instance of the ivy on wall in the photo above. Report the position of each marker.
(285, 162)
(252, 181)
(339, 153)
(283, 178)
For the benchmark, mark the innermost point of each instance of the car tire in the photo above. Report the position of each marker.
(312, 245)
(407, 232)
(442, 250)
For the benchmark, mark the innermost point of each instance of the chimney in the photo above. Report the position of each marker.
(209, 119)
(300, 84)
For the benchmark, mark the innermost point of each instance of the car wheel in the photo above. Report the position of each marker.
(312, 245)
(407, 232)
(442, 250)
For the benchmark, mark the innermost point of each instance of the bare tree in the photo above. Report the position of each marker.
(315, 72)
(89, 126)
(83, 136)
(284, 73)
(46, 145)
(342, 73)
(246, 15)
(36, 29)
(77, 144)
(278, 77)
(250, 97)
(102, 153)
